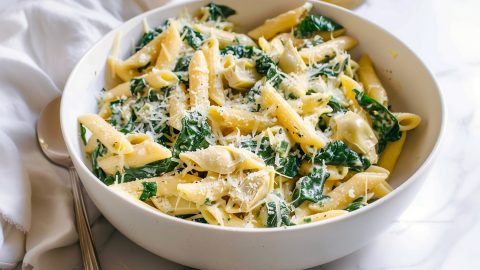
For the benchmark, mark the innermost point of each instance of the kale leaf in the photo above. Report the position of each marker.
(216, 11)
(384, 123)
(149, 190)
(194, 39)
(312, 24)
(355, 205)
(288, 165)
(310, 187)
(338, 153)
(277, 212)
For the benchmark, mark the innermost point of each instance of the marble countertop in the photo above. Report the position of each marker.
(441, 228)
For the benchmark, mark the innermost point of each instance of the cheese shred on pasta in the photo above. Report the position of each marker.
(206, 126)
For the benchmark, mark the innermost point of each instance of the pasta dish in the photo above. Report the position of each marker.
(276, 127)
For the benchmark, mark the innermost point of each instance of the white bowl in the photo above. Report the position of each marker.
(411, 88)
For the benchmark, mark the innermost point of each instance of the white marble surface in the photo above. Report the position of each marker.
(440, 230)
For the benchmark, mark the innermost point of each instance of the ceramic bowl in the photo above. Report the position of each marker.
(410, 85)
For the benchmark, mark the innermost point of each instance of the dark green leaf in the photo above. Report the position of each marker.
(128, 128)
(216, 11)
(200, 220)
(308, 43)
(153, 169)
(355, 205)
(384, 123)
(278, 213)
(287, 165)
(137, 85)
(194, 135)
(182, 63)
(240, 51)
(338, 153)
(336, 106)
(292, 96)
(313, 24)
(83, 132)
(141, 69)
(149, 190)
(263, 63)
(274, 77)
(147, 37)
(194, 39)
(310, 187)
(99, 151)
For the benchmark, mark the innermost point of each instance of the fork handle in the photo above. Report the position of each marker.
(87, 248)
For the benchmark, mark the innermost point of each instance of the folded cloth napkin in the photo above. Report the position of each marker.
(40, 42)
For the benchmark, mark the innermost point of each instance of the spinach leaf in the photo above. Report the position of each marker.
(274, 76)
(338, 153)
(141, 69)
(384, 123)
(336, 106)
(194, 39)
(263, 63)
(128, 128)
(240, 51)
(149, 190)
(193, 136)
(329, 69)
(312, 24)
(277, 212)
(287, 165)
(167, 134)
(195, 133)
(355, 205)
(308, 43)
(99, 151)
(216, 11)
(182, 63)
(149, 170)
(267, 67)
(137, 85)
(147, 37)
(200, 220)
(325, 69)
(310, 187)
(83, 132)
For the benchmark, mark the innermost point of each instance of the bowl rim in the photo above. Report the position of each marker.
(158, 214)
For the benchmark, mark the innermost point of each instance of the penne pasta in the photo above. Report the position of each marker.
(198, 78)
(276, 128)
(281, 23)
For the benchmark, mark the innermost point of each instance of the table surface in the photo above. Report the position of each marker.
(440, 229)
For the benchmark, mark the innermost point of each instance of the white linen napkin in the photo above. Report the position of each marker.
(40, 42)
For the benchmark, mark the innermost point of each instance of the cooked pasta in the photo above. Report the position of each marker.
(209, 126)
